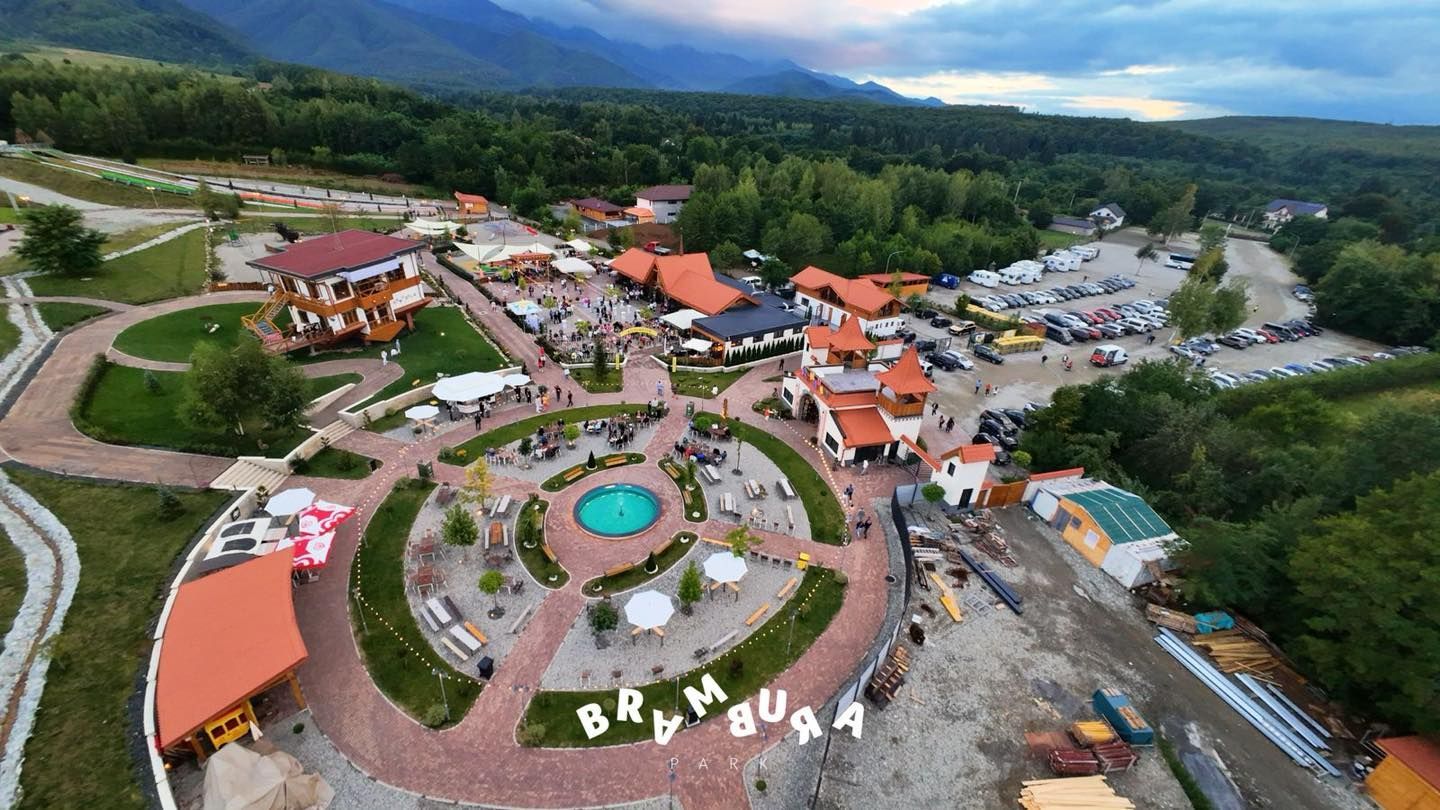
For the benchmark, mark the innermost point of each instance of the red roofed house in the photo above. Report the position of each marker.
(664, 201)
(472, 206)
(686, 279)
(865, 400)
(339, 286)
(597, 215)
(961, 470)
(1408, 778)
(828, 298)
(910, 283)
(227, 637)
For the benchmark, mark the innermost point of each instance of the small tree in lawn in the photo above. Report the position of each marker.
(741, 540)
(56, 241)
(526, 445)
(600, 360)
(691, 588)
(690, 469)
(572, 432)
(603, 617)
(459, 527)
(933, 493)
(490, 584)
(651, 564)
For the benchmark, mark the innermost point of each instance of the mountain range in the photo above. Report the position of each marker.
(430, 44)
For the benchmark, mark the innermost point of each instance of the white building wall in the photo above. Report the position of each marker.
(666, 211)
(955, 477)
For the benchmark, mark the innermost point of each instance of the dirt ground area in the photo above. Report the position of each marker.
(1023, 378)
(954, 736)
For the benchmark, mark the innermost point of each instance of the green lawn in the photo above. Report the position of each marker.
(9, 333)
(121, 411)
(126, 553)
(128, 239)
(762, 659)
(609, 586)
(12, 584)
(698, 384)
(696, 509)
(86, 187)
(513, 432)
(443, 342)
(585, 377)
(534, 559)
(8, 215)
(397, 654)
(262, 220)
(59, 314)
(172, 337)
(171, 270)
(827, 519)
(563, 479)
(1057, 240)
(389, 421)
(333, 462)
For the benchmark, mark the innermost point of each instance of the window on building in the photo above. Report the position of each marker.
(950, 468)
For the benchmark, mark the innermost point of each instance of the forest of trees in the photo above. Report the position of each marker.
(1306, 505)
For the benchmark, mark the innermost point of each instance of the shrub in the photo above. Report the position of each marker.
(299, 465)
(737, 666)
(603, 617)
(168, 505)
(434, 716)
(297, 728)
(760, 785)
(152, 383)
(531, 734)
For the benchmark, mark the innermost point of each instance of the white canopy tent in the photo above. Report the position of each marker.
(515, 380)
(523, 307)
(426, 227)
(681, 319)
(503, 252)
(724, 566)
(290, 501)
(581, 246)
(237, 778)
(573, 267)
(421, 413)
(468, 387)
(648, 610)
(697, 345)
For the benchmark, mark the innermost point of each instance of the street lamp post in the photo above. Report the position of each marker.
(892, 255)
(791, 641)
(443, 699)
(154, 201)
(739, 444)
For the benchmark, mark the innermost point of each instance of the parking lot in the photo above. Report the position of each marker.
(1024, 378)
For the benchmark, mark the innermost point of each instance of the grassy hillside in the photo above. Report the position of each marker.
(157, 29)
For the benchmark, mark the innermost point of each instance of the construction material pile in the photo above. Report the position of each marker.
(889, 677)
(1080, 793)
(1233, 651)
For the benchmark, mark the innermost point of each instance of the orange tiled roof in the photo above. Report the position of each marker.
(884, 279)
(1418, 754)
(639, 213)
(471, 200)
(971, 453)
(818, 336)
(863, 427)
(856, 292)
(850, 337)
(635, 264)
(906, 376)
(689, 279)
(917, 450)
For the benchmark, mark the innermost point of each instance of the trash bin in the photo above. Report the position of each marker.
(485, 667)
(689, 410)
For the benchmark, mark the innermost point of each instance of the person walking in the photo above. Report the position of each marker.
(950, 425)
(987, 389)
(849, 494)
(1043, 358)
(934, 408)
(865, 467)
(977, 386)
(570, 399)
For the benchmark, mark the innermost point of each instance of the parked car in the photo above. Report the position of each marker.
(960, 360)
(926, 314)
(940, 323)
(962, 328)
(1281, 371)
(1299, 368)
(1059, 334)
(1113, 330)
(1234, 341)
(939, 359)
(1016, 416)
(989, 355)
(1108, 355)
(1181, 351)
(1081, 333)
(925, 345)
(994, 428)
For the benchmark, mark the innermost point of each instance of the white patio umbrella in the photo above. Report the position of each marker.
(420, 413)
(289, 501)
(649, 609)
(467, 387)
(515, 380)
(723, 566)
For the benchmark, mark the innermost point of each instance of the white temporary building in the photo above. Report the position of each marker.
(682, 318)
(697, 345)
(468, 387)
(515, 380)
(573, 267)
(503, 252)
(580, 246)
(523, 307)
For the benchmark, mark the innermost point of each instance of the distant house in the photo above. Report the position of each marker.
(638, 215)
(910, 283)
(828, 298)
(596, 214)
(664, 201)
(1110, 216)
(1279, 212)
(960, 471)
(1115, 530)
(1075, 225)
(472, 206)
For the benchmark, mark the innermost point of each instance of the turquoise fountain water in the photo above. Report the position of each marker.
(617, 510)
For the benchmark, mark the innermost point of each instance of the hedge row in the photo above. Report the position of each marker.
(1402, 372)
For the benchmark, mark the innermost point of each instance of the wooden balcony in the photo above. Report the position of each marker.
(901, 409)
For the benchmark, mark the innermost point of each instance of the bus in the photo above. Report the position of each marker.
(1180, 261)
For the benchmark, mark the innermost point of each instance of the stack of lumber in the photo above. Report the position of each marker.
(889, 677)
(995, 546)
(1173, 619)
(1092, 732)
(1115, 756)
(1233, 651)
(1073, 762)
(1084, 793)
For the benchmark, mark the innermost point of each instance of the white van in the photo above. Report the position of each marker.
(1062, 262)
(1011, 275)
(984, 278)
(1085, 252)
(1108, 355)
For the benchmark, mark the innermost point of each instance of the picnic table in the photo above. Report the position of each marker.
(786, 491)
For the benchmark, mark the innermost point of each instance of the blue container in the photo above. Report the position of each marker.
(1115, 707)
(1213, 621)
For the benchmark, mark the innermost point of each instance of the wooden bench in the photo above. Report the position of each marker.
(786, 491)
(788, 586)
(573, 473)
(616, 461)
(549, 555)
(713, 541)
(754, 617)
(663, 547)
(618, 569)
(790, 516)
(503, 506)
(439, 611)
(429, 619)
(475, 631)
(710, 474)
(454, 650)
(519, 620)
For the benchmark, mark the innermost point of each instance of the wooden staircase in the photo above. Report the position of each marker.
(262, 322)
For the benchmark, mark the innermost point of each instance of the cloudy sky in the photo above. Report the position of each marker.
(1153, 59)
